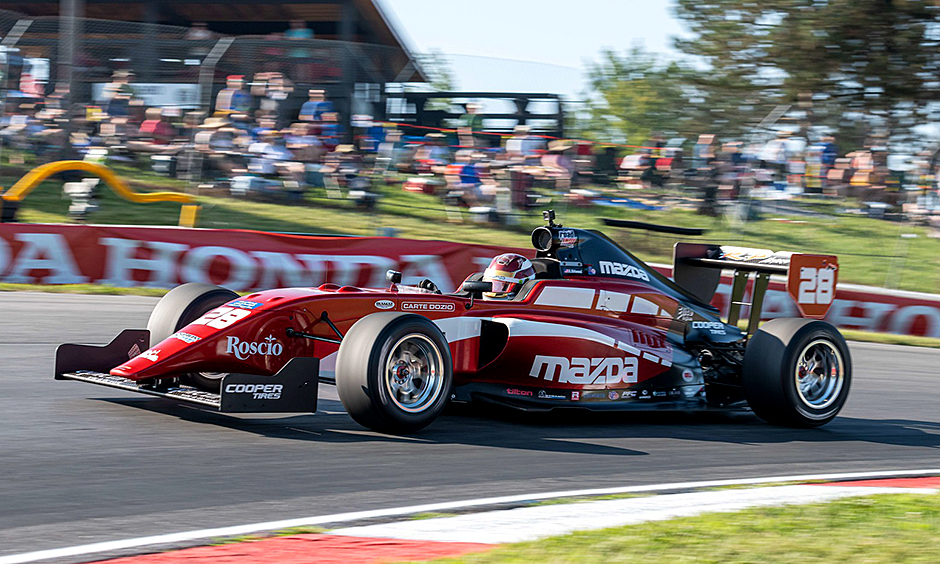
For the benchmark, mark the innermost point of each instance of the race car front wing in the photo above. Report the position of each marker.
(293, 389)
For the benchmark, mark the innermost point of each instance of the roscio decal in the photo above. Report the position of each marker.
(243, 349)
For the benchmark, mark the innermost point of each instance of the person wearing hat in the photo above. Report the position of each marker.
(233, 98)
(118, 93)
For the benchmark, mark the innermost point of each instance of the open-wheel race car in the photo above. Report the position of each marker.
(595, 328)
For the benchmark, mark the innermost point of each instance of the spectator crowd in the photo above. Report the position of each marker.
(257, 142)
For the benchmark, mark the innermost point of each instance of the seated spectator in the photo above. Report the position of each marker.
(314, 108)
(522, 146)
(432, 154)
(331, 130)
(233, 98)
(156, 134)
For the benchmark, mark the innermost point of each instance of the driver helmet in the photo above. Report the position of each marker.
(508, 272)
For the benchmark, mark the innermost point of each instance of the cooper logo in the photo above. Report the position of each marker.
(714, 327)
(611, 370)
(243, 349)
(427, 306)
(385, 304)
(518, 392)
(620, 269)
(257, 391)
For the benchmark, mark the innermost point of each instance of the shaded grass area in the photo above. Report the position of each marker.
(876, 530)
(870, 251)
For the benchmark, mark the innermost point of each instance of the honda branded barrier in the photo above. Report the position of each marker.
(163, 257)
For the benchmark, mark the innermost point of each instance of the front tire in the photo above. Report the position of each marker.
(180, 307)
(394, 372)
(797, 372)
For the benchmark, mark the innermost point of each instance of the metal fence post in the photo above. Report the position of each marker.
(7, 45)
(206, 76)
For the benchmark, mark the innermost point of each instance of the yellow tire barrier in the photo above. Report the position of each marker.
(33, 178)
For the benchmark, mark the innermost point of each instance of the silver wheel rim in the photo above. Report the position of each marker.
(414, 373)
(820, 374)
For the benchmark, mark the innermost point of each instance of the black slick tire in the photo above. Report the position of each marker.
(772, 365)
(363, 368)
(180, 307)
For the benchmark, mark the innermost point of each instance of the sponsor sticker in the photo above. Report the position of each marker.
(683, 314)
(575, 396)
(629, 394)
(610, 370)
(134, 351)
(567, 237)
(713, 327)
(659, 394)
(384, 304)
(545, 395)
(244, 304)
(644, 395)
(257, 391)
(152, 355)
(613, 395)
(185, 337)
(621, 269)
(518, 392)
(243, 349)
(688, 375)
(427, 306)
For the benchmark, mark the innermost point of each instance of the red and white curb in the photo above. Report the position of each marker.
(552, 519)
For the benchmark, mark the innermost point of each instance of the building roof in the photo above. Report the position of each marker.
(369, 23)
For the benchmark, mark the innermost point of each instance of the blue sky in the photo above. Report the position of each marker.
(531, 45)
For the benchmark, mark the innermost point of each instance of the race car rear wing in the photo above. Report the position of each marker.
(811, 279)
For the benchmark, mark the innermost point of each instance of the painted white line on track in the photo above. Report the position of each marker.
(533, 523)
(186, 536)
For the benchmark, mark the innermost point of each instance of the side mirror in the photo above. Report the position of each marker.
(393, 276)
(476, 287)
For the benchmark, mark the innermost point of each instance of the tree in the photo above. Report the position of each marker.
(436, 67)
(635, 95)
(837, 62)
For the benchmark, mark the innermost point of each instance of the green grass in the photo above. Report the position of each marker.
(82, 289)
(566, 500)
(884, 529)
(262, 536)
(865, 246)
(430, 515)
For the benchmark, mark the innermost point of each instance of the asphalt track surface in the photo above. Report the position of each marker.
(82, 464)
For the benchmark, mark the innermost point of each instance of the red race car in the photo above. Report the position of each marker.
(585, 324)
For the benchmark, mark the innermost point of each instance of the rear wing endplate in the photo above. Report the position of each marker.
(811, 279)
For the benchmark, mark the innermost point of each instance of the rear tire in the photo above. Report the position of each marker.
(797, 372)
(394, 372)
(180, 307)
